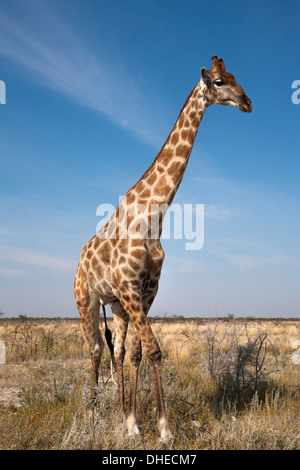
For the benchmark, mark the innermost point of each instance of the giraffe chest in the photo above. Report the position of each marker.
(140, 266)
(116, 263)
(157, 256)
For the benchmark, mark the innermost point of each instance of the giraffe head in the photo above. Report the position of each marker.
(222, 88)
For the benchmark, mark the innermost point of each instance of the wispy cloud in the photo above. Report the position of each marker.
(12, 273)
(181, 264)
(57, 58)
(213, 211)
(246, 261)
(21, 257)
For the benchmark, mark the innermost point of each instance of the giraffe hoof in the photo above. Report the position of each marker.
(132, 429)
(167, 438)
(134, 434)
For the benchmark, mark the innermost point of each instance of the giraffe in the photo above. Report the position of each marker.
(121, 264)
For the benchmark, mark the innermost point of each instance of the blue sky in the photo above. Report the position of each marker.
(92, 90)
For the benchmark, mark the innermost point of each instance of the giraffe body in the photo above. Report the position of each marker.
(121, 264)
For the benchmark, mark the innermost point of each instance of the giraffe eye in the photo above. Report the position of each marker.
(218, 82)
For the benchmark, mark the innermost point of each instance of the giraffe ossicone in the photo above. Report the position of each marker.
(124, 272)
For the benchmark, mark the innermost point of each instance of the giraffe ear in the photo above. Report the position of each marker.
(205, 76)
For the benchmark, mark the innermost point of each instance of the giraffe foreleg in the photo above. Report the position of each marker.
(133, 304)
(135, 359)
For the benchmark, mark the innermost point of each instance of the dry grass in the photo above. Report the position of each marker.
(223, 388)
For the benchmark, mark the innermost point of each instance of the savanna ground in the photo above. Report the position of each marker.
(228, 384)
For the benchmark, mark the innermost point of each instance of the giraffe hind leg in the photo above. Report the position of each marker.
(121, 320)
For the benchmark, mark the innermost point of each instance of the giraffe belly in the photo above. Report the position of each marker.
(104, 292)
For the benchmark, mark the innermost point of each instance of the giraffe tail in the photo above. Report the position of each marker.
(108, 337)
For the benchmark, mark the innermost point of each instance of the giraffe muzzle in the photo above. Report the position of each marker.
(245, 105)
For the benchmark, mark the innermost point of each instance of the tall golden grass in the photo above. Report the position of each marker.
(227, 385)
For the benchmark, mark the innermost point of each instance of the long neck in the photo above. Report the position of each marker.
(160, 182)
